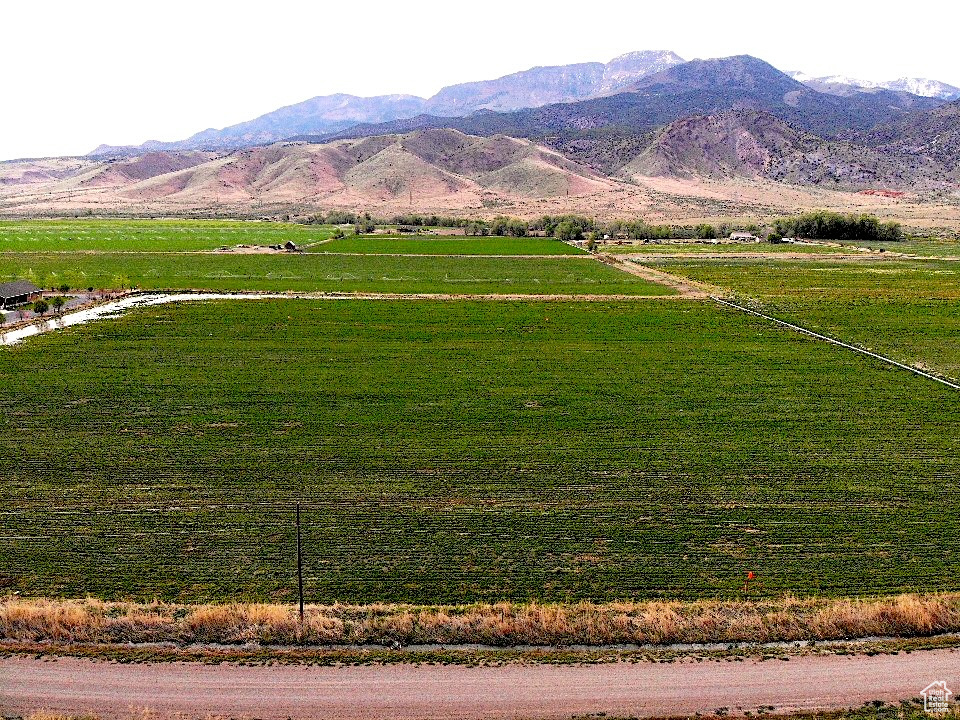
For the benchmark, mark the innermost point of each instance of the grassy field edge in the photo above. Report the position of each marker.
(506, 624)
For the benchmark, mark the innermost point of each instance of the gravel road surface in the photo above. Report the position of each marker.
(405, 692)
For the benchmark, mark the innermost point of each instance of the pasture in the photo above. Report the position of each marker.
(908, 309)
(446, 245)
(816, 279)
(689, 248)
(922, 247)
(97, 235)
(310, 272)
(454, 452)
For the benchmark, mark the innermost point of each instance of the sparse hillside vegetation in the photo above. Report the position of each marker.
(752, 144)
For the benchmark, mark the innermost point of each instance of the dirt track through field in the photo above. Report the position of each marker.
(684, 287)
(407, 692)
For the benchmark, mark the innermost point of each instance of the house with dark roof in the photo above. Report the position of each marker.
(18, 292)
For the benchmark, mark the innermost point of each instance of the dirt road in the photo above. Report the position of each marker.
(684, 287)
(406, 692)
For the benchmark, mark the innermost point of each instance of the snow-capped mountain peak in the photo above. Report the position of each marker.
(843, 84)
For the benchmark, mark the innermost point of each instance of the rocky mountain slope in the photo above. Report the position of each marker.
(332, 113)
(546, 85)
(934, 134)
(607, 132)
(756, 145)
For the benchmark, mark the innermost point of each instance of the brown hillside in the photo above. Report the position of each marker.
(705, 169)
(443, 166)
(125, 171)
(754, 144)
(934, 134)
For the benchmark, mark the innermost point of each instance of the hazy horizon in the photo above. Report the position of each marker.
(114, 73)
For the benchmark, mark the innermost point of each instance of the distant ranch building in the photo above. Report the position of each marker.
(743, 237)
(19, 292)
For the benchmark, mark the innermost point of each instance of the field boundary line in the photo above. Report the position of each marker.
(839, 343)
(685, 288)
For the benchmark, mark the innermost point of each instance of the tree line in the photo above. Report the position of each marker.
(823, 225)
(816, 225)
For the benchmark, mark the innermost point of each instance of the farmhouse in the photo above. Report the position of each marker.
(17, 293)
(743, 237)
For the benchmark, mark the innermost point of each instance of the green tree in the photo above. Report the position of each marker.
(568, 231)
(58, 302)
(706, 232)
(364, 225)
(825, 225)
(40, 307)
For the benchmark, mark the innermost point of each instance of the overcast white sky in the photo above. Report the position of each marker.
(78, 73)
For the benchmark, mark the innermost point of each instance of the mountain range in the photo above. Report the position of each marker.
(697, 86)
(606, 132)
(843, 85)
(589, 130)
(332, 113)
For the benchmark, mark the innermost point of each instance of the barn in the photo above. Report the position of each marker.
(17, 293)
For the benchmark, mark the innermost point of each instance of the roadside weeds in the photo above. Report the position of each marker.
(595, 627)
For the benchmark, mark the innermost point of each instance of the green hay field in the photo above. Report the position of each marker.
(731, 248)
(450, 452)
(909, 310)
(149, 235)
(326, 273)
(447, 245)
(923, 247)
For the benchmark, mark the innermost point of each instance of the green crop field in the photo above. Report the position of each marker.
(907, 309)
(469, 450)
(331, 273)
(731, 248)
(447, 245)
(924, 247)
(149, 235)
(778, 279)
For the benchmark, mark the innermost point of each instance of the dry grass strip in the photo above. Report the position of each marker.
(501, 624)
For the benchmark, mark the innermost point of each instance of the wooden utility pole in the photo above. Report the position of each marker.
(299, 565)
